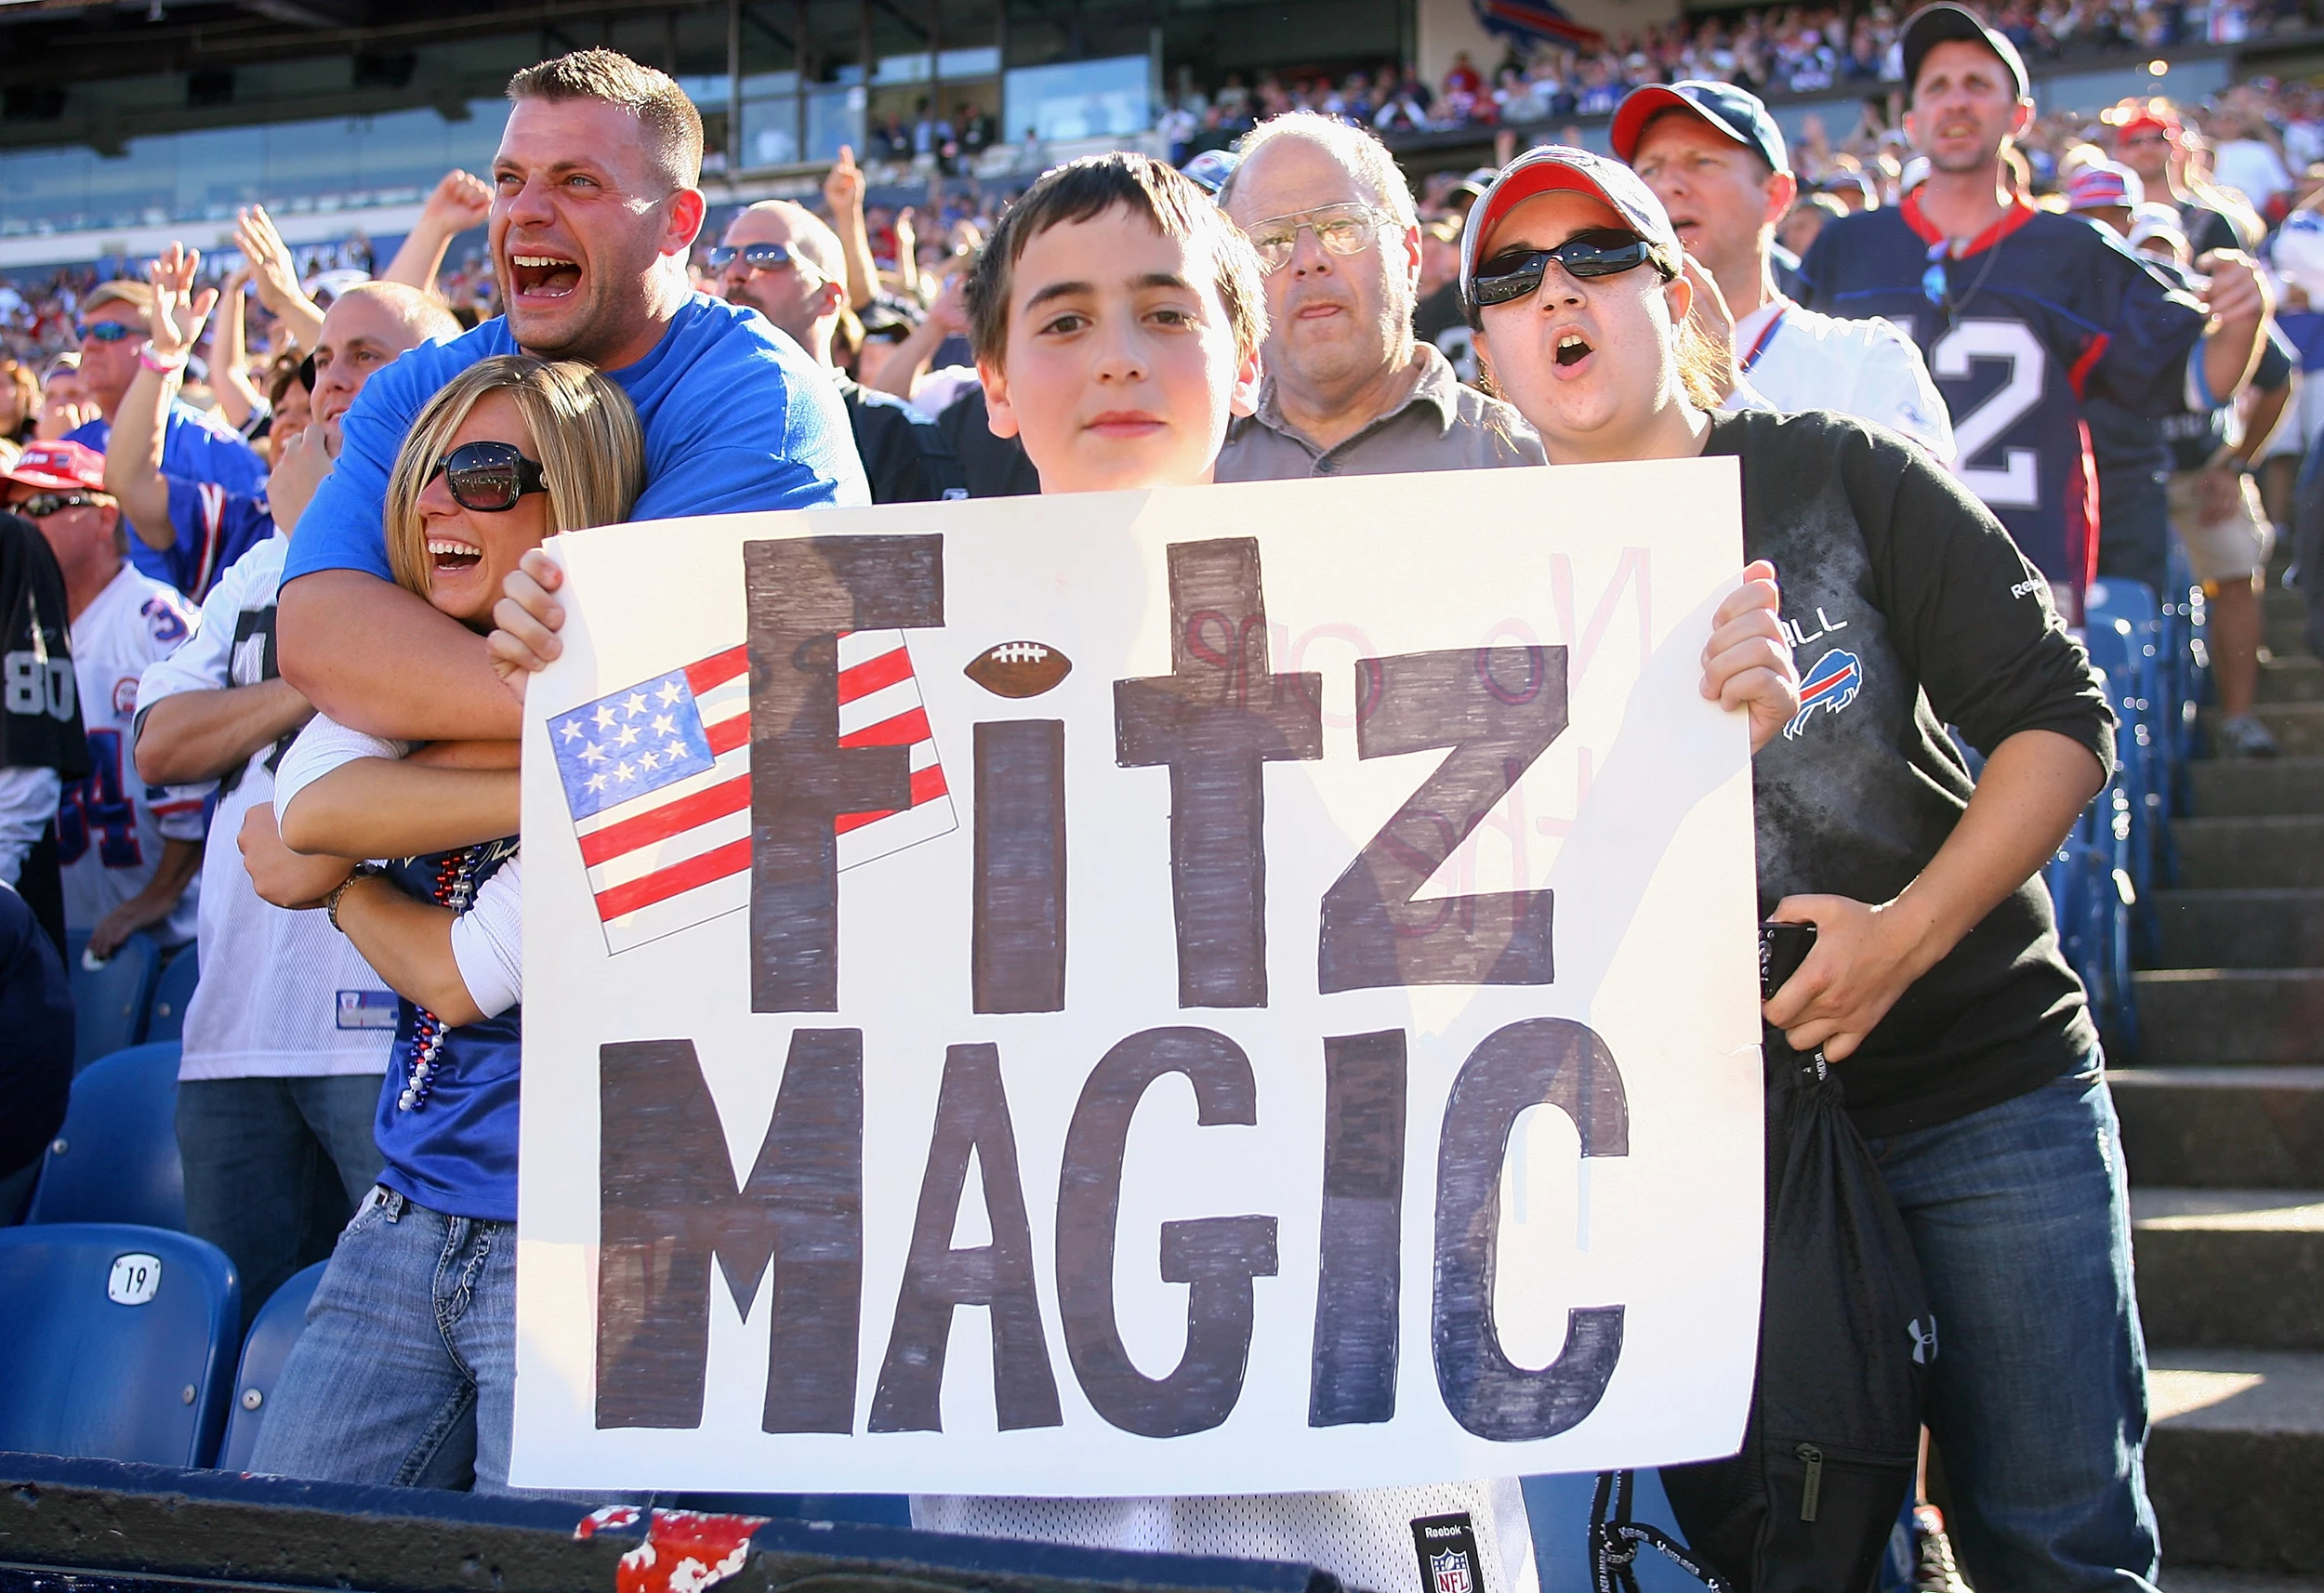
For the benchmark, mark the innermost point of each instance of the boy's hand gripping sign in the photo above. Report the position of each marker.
(1233, 990)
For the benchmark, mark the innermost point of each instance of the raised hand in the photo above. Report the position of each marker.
(61, 416)
(462, 199)
(175, 321)
(843, 184)
(271, 264)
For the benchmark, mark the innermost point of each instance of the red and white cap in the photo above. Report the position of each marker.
(1550, 169)
(2103, 185)
(60, 466)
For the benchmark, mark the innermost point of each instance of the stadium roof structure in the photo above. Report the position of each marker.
(100, 75)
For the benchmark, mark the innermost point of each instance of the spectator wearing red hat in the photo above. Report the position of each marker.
(1718, 161)
(128, 850)
(2149, 139)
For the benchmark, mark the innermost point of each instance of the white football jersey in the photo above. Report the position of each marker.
(283, 995)
(1453, 1538)
(110, 825)
(1797, 359)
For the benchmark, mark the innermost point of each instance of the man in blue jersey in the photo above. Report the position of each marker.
(199, 452)
(2022, 312)
(595, 208)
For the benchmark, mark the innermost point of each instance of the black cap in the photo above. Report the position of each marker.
(1736, 113)
(1931, 25)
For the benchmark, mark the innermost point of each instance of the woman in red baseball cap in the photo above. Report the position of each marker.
(1963, 1042)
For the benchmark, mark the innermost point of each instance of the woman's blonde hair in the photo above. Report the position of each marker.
(592, 453)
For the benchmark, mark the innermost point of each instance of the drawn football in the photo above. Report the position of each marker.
(1019, 669)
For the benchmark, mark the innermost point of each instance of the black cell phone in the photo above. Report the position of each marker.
(1782, 948)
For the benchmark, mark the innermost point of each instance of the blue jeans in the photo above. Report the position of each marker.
(2019, 1217)
(406, 1373)
(273, 1166)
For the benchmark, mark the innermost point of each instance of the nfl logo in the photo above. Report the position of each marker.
(1450, 1570)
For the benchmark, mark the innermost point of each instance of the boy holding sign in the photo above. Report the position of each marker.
(1117, 317)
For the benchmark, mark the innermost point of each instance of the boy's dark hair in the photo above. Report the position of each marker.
(1083, 190)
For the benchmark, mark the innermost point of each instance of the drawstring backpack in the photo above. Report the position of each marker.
(1846, 1342)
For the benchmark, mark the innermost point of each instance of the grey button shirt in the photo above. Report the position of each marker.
(1442, 426)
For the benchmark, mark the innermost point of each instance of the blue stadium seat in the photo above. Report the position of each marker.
(2089, 877)
(279, 1324)
(109, 997)
(172, 994)
(2147, 742)
(115, 1159)
(2186, 671)
(120, 1342)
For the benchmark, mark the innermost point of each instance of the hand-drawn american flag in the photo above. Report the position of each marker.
(657, 777)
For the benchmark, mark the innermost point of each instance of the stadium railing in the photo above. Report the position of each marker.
(128, 1528)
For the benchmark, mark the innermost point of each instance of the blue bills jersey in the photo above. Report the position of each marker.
(2019, 326)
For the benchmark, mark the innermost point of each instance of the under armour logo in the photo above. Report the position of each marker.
(1923, 1332)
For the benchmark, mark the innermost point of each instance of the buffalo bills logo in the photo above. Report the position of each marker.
(1832, 684)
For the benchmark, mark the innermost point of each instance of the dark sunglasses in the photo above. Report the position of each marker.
(1601, 251)
(40, 506)
(757, 256)
(488, 476)
(105, 331)
(307, 375)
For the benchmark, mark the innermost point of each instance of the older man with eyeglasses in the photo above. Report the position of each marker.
(1349, 390)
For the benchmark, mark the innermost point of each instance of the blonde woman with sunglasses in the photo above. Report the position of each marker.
(406, 1372)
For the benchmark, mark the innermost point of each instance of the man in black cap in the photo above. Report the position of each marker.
(1718, 162)
(2020, 311)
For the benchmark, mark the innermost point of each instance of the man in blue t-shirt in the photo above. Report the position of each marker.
(199, 451)
(595, 208)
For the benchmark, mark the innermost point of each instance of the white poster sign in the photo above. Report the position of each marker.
(1231, 990)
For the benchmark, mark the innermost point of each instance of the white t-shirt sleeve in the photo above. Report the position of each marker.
(1895, 388)
(28, 801)
(488, 941)
(323, 745)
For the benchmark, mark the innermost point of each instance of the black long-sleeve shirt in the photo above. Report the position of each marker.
(1909, 608)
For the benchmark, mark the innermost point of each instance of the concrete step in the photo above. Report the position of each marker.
(2215, 1017)
(2235, 1461)
(2266, 851)
(2248, 788)
(2280, 602)
(2298, 727)
(2296, 680)
(2239, 929)
(2230, 1268)
(2234, 1128)
(2286, 635)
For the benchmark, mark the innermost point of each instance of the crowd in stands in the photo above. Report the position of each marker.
(1774, 50)
(279, 525)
